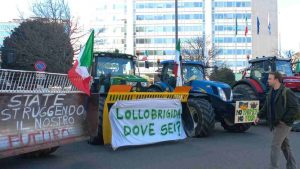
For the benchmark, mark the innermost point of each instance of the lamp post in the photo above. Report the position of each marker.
(176, 22)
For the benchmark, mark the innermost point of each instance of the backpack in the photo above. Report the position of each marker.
(284, 96)
(285, 99)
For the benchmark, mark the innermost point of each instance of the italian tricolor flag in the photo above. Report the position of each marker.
(79, 74)
(246, 28)
(177, 65)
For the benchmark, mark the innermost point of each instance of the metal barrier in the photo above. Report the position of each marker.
(122, 92)
(19, 81)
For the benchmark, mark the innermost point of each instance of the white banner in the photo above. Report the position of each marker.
(147, 121)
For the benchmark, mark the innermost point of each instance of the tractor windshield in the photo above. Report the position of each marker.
(114, 66)
(192, 72)
(284, 67)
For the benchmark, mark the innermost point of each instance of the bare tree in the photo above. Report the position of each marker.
(58, 11)
(194, 49)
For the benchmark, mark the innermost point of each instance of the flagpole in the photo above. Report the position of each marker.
(235, 46)
(176, 22)
(246, 51)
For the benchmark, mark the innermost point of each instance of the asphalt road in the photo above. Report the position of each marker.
(222, 150)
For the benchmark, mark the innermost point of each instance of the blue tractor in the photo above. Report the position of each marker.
(209, 101)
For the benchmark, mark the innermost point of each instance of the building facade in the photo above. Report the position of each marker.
(147, 28)
(5, 31)
(6, 28)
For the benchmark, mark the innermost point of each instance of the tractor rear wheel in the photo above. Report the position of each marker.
(246, 91)
(200, 121)
(98, 140)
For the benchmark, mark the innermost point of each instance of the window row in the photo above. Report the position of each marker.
(232, 40)
(157, 52)
(238, 63)
(169, 17)
(232, 16)
(169, 5)
(169, 29)
(231, 27)
(231, 4)
(235, 51)
(159, 40)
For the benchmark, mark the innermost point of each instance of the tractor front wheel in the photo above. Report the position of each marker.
(200, 119)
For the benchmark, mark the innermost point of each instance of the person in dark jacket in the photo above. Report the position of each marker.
(280, 109)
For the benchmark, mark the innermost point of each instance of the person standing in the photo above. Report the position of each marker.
(280, 109)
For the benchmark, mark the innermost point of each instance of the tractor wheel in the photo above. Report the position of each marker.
(246, 91)
(41, 153)
(228, 124)
(247, 94)
(201, 119)
(98, 140)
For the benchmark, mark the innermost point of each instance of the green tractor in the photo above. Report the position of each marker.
(113, 69)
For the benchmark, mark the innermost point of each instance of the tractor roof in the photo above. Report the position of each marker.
(184, 61)
(113, 55)
(264, 58)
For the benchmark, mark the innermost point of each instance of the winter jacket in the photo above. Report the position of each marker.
(286, 107)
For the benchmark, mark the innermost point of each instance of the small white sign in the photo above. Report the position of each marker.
(147, 121)
(246, 111)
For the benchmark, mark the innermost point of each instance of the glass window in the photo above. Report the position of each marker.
(192, 72)
(249, 40)
(151, 5)
(168, 5)
(247, 4)
(284, 67)
(117, 66)
(160, 5)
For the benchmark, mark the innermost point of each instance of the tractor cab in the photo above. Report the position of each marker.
(115, 69)
(261, 67)
(256, 86)
(190, 71)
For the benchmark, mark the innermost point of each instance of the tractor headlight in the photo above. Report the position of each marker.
(222, 94)
(144, 84)
(131, 83)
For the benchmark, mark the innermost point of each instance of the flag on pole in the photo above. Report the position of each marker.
(79, 74)
(177, 65)
(257, 25)
(298, 67)
(246, 28)
(269, 24)
(236, 26)
(145, 56)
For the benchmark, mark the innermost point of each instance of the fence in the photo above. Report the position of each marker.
(19, 81)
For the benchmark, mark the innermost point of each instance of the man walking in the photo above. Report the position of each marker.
(280, 109)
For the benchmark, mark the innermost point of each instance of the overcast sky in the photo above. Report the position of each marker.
(288, 16)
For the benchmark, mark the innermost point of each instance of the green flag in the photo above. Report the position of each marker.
(85, 58)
